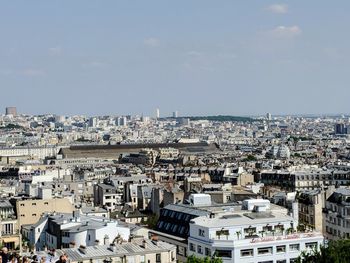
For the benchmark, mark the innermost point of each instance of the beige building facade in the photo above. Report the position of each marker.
(30, 211)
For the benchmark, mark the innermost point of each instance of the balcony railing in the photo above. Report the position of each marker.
(10, 233)
(264, 238)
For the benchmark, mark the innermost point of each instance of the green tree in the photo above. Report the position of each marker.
(151, 221)
(250, 158)
(335, 252)
(194, 259)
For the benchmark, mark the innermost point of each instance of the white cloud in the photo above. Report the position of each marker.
(55, 50)
(285, 32)
(278, 8)
(151, 42)
(32, 72)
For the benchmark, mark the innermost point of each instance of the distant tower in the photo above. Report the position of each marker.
(157, 113)
(11, 111)
(93, 122)
(121, 121)
(175, 114)
(145, 119)
(268, 116)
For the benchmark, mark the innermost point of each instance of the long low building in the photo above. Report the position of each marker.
(136, 251)
(39, 152)
(114, 151)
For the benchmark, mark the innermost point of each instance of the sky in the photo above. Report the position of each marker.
(197, 57)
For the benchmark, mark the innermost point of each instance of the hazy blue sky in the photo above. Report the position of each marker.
(197, 57)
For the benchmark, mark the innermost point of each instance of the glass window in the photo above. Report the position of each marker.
(247, 252)
(223, 253)
(192, 247)
(264, 250)
(281, 249)
(311, 245)
(199, 249)
(250, 231)
(294, 247)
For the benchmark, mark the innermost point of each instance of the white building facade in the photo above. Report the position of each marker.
(253, 237)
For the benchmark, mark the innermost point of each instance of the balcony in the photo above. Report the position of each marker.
(9, 233)
(278, 237)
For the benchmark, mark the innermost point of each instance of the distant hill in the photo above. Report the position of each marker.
(221, 118)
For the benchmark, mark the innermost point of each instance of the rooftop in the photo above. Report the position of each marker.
(245, 219)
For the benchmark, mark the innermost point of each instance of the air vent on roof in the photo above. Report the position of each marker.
(82, 249)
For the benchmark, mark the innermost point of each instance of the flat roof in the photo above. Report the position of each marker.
(244, 220)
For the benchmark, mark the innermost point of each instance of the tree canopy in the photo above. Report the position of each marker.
(335, 252)
(194, 259)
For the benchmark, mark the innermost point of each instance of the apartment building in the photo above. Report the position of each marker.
(39, 152)
(30, 211)
(62, 230)
(10, 236)
(107, 196)
(259, 235)
(336, 215)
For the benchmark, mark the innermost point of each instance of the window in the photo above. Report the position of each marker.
(33, 203)
(311, 245)
(222, 233)
(33, 214)
(281, 261)
(250, 231)
(192, 247)
(22, 204)
(294, 247)
(281, 249)
(223, 253)
(201, 232)
(207, 251)
(264, 250)
(158, 258)
(46, 203)
(199, 249)
(247, 253)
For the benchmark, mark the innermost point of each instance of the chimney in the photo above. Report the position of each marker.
(82, 249)
(144, 244)
(76, 215)
(112, 247)
(106, 240)
(295, 211)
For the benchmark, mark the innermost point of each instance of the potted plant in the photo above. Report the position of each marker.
(238, 233)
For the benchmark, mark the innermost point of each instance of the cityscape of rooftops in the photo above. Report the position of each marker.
(174, 131)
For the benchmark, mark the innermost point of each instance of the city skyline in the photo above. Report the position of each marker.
(197, 57)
